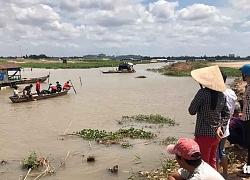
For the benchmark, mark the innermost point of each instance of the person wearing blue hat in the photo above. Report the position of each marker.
(245, 70)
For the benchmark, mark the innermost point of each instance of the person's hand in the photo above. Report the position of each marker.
(219, 133)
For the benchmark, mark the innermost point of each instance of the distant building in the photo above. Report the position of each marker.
(127, 59)
(231, 55)
(90, 57)
(6, 68)
(162, 60)
(101, 55)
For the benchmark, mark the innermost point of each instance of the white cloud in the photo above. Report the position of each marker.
(70, 5)
(241, 4)
(35, 15)
(197, 12)
(155, 27)
(162, 9)
(246, 24)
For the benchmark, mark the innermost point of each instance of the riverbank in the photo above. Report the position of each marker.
(184, 68)
(236, 157)
(99, 102)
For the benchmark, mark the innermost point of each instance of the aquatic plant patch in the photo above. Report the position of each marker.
(168, 167)
(107, 138)
(126, 145)
(30, 162)
(169, 140)
(154, 119)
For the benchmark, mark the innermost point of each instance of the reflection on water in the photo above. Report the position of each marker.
(98, 103)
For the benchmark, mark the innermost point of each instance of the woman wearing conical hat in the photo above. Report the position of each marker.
(212, 111)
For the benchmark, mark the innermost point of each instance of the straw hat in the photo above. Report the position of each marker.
(210, 77)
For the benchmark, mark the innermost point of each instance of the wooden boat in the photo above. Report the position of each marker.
(111, 71)
(34, 80)
(43, 96)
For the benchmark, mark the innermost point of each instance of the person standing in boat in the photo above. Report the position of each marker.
(66, 86)
(38, 87)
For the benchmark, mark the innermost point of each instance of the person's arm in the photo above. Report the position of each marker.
(175, 176)
(237, 122)
(225, 116)
(196, 102)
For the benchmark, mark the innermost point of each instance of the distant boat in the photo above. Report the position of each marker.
(34, 80)
(153, 61)
(35, 96)
(117, 71)
(125, 67)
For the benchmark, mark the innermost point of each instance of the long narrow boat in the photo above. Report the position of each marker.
(111, 71)
(44, 96)
(34, 80)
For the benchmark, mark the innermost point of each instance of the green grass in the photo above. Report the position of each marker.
(85, 64)
(231, 71)
(152, 118)
(169, 70)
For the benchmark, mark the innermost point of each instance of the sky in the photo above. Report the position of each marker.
(120, 27)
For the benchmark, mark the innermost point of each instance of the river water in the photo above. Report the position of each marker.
(99, 102)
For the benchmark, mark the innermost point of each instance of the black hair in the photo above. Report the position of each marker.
(241, 104)
(214, 98)
(224, 76)
(194, 163)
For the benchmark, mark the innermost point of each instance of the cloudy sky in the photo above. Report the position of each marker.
(117, 27)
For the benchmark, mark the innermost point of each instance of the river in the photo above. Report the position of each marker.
(99, 102)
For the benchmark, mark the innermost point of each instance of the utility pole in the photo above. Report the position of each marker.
(20, 48)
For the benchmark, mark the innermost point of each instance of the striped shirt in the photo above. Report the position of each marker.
(246, 106)
(209, 120)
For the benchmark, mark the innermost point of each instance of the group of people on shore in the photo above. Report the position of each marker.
(52, 89)
(220, 117)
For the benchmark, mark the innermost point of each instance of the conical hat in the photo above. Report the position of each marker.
(210, 77)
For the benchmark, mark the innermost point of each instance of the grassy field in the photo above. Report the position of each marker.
(71, 64)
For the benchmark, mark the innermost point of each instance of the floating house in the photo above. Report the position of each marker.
(9, 74)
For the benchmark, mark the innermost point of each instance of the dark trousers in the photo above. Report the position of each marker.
(236, 137)
(246, 135)
(38, 91)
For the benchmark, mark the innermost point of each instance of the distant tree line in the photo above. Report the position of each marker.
(133, 57)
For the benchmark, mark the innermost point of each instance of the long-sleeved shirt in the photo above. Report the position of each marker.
(246, 106)
(236, 122)
(209, 120)
(231, 100)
